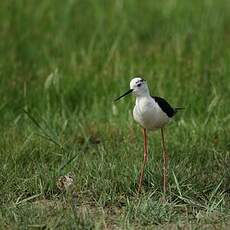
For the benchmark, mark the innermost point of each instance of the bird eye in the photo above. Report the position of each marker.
(138, 85)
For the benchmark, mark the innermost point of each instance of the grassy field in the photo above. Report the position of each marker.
(64, 62)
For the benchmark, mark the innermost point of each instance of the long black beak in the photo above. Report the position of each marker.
(128, 92)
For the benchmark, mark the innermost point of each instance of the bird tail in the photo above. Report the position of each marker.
(178, 108)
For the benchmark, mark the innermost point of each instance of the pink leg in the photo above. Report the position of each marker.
(144, 162)
(165, 164)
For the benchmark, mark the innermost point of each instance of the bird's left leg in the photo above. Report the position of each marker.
(165, 164)
(144, 161)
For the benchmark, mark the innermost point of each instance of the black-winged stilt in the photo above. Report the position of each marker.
(151, 113)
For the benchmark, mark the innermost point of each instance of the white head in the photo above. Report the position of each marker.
(138, 86)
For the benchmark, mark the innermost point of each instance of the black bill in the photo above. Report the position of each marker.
(128, 92)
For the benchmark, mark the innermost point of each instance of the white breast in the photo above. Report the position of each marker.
(148, 114)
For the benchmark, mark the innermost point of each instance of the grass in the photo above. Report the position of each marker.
(61, 66)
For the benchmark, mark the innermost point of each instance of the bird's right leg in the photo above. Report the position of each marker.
(165, 163)
(144, 161)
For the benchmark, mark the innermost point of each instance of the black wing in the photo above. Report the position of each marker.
(165, 106)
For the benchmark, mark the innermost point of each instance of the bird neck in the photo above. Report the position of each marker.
(142, 93)
(144, 96)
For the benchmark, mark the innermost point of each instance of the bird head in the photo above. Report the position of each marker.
(138, 86)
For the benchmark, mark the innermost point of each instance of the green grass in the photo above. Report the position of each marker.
(64, 63)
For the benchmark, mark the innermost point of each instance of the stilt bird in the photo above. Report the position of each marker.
(151, 113)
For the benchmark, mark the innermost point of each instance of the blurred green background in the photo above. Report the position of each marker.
(65, 61)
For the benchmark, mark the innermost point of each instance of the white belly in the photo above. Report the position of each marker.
(149, 115)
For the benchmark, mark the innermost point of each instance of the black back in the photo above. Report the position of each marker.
(165, 106)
